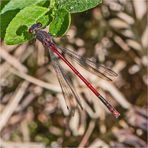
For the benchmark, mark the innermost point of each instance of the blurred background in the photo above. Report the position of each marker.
(33, 113)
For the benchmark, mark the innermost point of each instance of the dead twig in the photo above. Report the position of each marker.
(115, 93)
(5, 144)
(12, 105)
(87, 134)
(36, 81)
(12, 60)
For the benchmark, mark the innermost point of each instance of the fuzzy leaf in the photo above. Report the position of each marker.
(17, 31)
(74, 6)
(60, 22)
(19, 4)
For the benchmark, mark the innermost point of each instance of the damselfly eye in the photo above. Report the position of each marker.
(35, 27)
(30, 30)
(39, 25)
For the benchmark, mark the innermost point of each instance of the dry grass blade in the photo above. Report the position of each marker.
(40, 54)
(127, 137)
(6, 144)
(127, 18)
(14, 101)
(140, 7)
(98, 143)
(118, 24)
(36, 81)
(115, 93)
(87, 134)
(144, 38)
(12, 60)
(63, 104)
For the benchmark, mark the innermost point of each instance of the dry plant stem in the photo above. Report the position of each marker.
(28, 99)
(40, 54)
(12, 61)
(87, 134)
(36, 81)
(63, 104)
(9, 48)
(21, 51)
(92, 113)
(12, 105)
(21, 145)
(19, 55)
(25, 130)
(4, 70)
(98, 143)
(115, 93)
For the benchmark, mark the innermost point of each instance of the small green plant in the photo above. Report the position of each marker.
(18, 15)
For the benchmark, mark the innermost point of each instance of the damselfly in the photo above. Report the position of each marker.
(56, 52)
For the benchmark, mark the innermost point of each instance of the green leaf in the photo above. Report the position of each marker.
(17, 31)
(3, 3)
(74, 6)
(46, 19)
(5, 19)
(19, 4)
(60, 23)
(8, 12)
(52, 3)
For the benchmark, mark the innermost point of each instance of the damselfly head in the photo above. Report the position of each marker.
(35, 27)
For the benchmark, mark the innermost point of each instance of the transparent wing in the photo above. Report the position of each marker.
(64, 80)
(90, 65)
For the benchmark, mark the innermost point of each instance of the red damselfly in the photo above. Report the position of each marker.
(56, 52)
